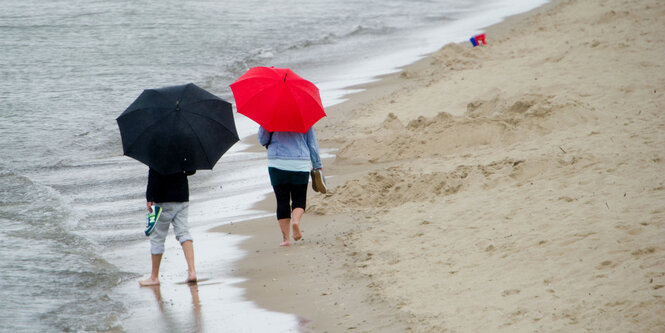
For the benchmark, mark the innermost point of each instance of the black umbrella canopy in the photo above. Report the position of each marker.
(178, 128)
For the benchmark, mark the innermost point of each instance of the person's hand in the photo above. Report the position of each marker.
(149, 204)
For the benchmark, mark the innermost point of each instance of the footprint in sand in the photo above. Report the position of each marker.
(641, 252)
(606, 264)
(510, 292)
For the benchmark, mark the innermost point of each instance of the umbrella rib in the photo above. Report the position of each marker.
(153, 108)
(206, 116)
(252, 99)
(148, 127)
(308, 97)
(199, 141)
(264, 87)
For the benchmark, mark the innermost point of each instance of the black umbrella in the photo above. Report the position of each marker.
(178, 128)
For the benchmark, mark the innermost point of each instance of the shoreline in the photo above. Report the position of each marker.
(522, 162)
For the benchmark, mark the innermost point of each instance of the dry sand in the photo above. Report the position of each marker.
(516, 187)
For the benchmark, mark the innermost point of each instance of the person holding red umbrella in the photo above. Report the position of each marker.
(291, 156)
(286, 107)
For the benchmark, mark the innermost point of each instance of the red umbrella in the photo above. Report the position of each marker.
(278, 99)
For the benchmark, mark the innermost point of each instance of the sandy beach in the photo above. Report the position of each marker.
(513, 187)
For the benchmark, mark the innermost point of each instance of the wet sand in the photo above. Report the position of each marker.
(514, 187)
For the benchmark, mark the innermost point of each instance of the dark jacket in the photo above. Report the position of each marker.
(168, 188)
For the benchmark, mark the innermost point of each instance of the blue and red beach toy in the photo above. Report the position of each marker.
(477, 39)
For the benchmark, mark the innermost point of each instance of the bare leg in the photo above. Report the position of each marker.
(284, 224)
(154, 276)
(297, 215)
(188, 249)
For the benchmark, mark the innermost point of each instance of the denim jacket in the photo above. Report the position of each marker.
(292, 146)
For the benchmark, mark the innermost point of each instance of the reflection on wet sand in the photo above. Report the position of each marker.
(196, 307)
(172, 317)
(215, 303)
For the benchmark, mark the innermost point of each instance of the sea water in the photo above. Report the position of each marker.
(72, 207)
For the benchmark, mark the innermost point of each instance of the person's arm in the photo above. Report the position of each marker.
(264, 136)
(149, 196)
(313, 145)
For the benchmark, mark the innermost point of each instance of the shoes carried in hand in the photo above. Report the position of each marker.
(151, 219)
(318, 181)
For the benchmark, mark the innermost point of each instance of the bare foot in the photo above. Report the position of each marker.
(296, 232)
(191, 278)
(285, 243)
(149, 282)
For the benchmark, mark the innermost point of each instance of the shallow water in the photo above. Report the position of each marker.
(72, 207)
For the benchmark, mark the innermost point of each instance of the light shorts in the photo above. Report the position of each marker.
(172, 213)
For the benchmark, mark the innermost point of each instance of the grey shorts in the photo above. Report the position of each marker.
(172, 213)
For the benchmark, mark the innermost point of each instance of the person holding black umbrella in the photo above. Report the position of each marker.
(167, 196)
(175, 131)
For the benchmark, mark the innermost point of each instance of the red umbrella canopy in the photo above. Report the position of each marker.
(278, 99)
